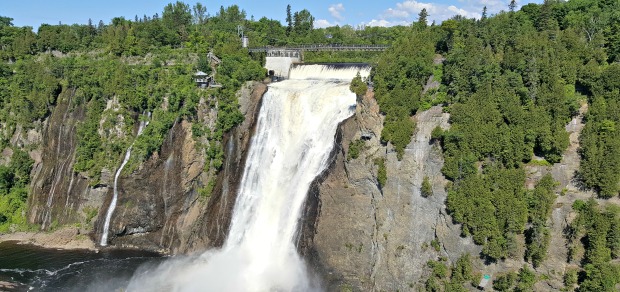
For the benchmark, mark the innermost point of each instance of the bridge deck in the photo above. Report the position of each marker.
(320, 48)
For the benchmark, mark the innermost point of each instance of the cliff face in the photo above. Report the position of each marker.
(365, 237)
(58, 195)
(371, 237)
(158, 206)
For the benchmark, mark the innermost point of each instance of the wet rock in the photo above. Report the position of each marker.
(159, 206)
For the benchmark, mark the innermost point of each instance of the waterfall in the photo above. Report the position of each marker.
(328, 71)
(108, 216)
(295, 134)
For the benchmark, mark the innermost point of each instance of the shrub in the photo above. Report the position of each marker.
(381, 172)
(426, 189)
(354, 149)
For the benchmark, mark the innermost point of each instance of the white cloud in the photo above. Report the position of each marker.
(376, 22)
(463, 12)
(385, 23)
(335, 10)
(415, 7)
(393, 13)
(322, 23)
(407, 11)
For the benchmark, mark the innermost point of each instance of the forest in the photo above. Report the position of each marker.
(511, 82)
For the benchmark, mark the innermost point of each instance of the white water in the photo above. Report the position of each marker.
(108, 216)
(294, 137)
(280, 65)
(335, 71)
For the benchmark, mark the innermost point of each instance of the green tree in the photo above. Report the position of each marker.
(426, 189)
(200, 13)
(422, 18)
(289, 20)
(358, 86)
(177, 17)
(381, 171)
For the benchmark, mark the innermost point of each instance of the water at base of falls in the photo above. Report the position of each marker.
(295, 134)
(26, 267)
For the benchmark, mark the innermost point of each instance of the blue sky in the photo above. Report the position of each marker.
(326, 12)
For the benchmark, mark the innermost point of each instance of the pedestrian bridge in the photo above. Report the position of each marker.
(280, 59)
(317, 48)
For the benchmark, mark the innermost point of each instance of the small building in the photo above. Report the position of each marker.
(202, 79)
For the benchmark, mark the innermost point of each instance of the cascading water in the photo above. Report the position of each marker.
(294, 137)
(108, 216)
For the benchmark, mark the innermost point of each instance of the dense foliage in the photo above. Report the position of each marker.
(522, 281)
(458, 277)
(114, 75)
(14, 179)
(595, 240)
(600, 140)
(512, 82)
(399, 76)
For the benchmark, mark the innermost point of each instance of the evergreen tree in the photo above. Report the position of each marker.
(512, 6)
(426, 189)
(289, 20)
(422, 16)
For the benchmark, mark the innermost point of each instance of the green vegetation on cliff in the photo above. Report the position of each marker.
(594, 238)
(511, 86)
(14, 180)
(600, 139)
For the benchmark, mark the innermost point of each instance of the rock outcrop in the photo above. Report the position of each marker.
(159, 206)
(371, 237)
(58, 194)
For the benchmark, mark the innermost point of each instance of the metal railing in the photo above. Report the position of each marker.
(320, 47)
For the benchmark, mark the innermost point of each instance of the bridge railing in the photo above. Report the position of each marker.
(320, 47)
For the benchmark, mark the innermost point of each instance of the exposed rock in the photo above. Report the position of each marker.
(562, 215)
(10, 286)
(5, 158)
(375, 238)
(159, 206)
(63, 238)
(215, 222)
(57, 193)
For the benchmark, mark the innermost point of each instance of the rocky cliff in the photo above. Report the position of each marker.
(368, 237)
(159, 206)
(372, 237)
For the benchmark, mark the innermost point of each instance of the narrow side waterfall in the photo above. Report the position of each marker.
(295, 134)
(108, 216)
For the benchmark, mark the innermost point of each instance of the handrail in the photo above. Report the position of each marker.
(321, 47)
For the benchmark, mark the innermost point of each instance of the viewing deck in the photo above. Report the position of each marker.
(320, 48)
